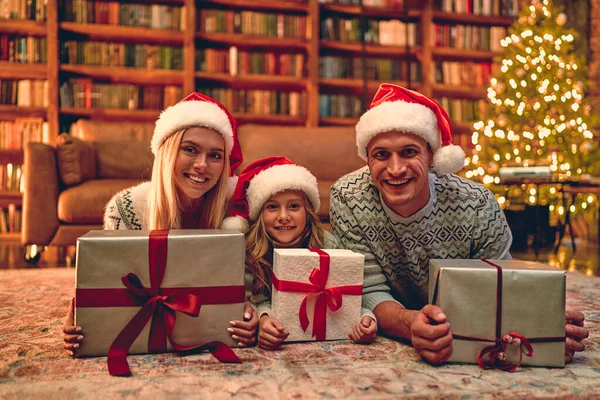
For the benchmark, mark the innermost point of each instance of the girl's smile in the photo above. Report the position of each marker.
(284, 216)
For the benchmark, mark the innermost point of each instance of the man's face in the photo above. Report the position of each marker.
(399, 165)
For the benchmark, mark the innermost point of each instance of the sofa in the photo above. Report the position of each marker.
(67, 185)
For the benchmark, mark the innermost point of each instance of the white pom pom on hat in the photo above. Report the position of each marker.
(395, 108)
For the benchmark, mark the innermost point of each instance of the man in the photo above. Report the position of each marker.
(406, 207)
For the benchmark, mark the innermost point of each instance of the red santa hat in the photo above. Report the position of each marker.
(198, 109)
(261, 180)
(395, 108)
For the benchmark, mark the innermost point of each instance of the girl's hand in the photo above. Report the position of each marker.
(245, 331)
(72, 334)
(365, 331)
(271, 333)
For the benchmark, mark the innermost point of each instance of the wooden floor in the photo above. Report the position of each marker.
(585, 259)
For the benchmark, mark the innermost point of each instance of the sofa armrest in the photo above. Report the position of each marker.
(40, 200)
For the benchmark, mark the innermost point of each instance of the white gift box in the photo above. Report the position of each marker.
(297, 294)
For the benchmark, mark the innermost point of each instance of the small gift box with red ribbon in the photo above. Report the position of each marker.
(158, 291)
(317, 293)
(502, 313)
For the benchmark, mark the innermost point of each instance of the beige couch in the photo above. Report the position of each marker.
(67, 186)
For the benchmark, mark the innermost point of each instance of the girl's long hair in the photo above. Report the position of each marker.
(164, 204)
(259, 247)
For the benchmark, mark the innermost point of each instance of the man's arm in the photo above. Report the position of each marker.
(492, 236)
(349, 236)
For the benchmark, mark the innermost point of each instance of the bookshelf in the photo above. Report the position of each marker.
(213, 46)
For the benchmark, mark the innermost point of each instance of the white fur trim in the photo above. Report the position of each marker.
(397, 116)
(449, 159)
(277, 179)
(192, 113)
(231, 184)
(236, 223)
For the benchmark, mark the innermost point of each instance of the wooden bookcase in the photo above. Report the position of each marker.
(189, 78)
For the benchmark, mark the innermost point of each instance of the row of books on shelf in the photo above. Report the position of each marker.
(379, 3)
(252, 23)
(339, 106)
(121, 55)
(463, 73)
(14, 134)
(35, 10)
(10, 178)
(10, 219)
(24, 49)
(240, 62)
(24, 92)
(85, 93)
(468, 36)
(386, 33)
(377, 69)
(155, 16)
(509, 8)
(463, 110)
(260, 102)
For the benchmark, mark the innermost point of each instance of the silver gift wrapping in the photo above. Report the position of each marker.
(533, 304)
(195, 258)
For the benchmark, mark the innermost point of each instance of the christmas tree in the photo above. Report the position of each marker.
(538, 114)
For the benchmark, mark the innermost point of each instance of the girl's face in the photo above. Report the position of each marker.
(284, 215)
(199, 162)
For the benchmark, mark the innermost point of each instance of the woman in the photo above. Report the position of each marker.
(196, 151)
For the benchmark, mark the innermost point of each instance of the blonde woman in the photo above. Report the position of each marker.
(281, 200)
(196, 150)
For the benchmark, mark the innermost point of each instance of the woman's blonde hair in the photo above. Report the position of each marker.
(259, 247)
(164, 204)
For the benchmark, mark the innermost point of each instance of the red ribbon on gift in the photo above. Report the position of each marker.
(160, 305)
(326, 297)
(494, 356)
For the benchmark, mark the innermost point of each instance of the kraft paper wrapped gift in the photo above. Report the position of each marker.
(206, 263)
(485, 300)
(305, 279)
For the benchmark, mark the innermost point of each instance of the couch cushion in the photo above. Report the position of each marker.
(76, 160)
(328, 152)
(84, 204)
(122, 148)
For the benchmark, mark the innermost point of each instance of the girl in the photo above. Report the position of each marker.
(281, 199)
(196, 151)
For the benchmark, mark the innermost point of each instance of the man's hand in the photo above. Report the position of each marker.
(575, 334)
(72, 336)
(271, 333)
(430, 335)
(245, 331)
(365, 331)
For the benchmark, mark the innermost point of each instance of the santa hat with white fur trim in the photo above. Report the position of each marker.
(198, 109)
(395, 108)
(261, 180)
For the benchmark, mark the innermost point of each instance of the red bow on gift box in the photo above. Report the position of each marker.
(160, 305)
(326, 297)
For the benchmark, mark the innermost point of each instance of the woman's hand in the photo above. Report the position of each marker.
(245, 331)
(271, 333)
(71, 334)
(365, 331)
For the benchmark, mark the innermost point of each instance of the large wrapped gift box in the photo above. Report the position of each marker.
(208, 264)
(501, 311)
(316, 293)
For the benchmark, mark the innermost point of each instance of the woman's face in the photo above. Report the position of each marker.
(284, 215)
(199, 162)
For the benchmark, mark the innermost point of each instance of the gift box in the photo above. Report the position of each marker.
(502, 313)
(157, 291)
(317, 293)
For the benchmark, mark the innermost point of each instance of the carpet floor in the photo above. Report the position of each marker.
(34, 365)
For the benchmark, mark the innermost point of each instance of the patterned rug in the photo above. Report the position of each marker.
(33, 364)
